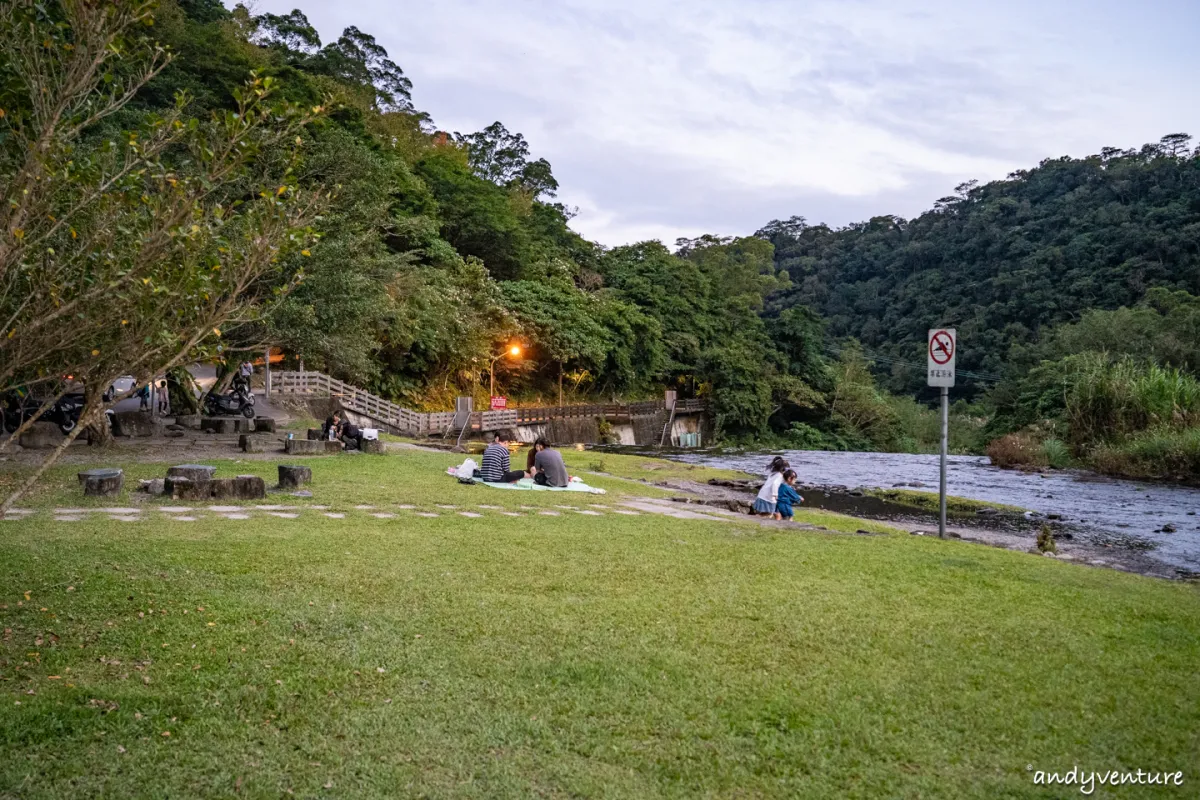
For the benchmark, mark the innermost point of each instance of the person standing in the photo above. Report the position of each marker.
(164, 400)
(497, 461)
(242, 378)
(548, 466)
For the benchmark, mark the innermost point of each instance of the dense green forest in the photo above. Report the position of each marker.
(408, 260)
(1002, 260)
(438, 249)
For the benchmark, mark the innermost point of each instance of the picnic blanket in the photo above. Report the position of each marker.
(527, 484)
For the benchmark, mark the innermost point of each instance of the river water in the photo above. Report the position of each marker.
(1101, 509)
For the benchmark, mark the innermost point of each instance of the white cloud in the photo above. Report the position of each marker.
(840, 99)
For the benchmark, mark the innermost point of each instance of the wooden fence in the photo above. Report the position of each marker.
(352, 398)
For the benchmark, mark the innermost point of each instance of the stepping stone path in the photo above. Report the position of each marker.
(193, 513)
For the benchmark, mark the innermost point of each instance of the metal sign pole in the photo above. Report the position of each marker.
(945, 445)
(942, 355)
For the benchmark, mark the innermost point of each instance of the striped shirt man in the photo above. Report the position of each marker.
(497, 463)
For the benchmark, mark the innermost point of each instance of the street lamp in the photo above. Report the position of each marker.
(513, 351)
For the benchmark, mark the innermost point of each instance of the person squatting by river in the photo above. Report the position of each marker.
(788, 497)
(768, 495)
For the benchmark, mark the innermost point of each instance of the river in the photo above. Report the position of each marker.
(1099, 509)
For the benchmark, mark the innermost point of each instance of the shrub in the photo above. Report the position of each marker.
(1045, 540)
(1017, 450)
(1157, 453)
(800, 436)
(1056, 453)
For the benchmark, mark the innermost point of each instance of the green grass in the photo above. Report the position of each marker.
(929, 501)
(640, 468)
(569, 656)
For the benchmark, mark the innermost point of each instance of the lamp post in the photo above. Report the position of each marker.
(513, 351)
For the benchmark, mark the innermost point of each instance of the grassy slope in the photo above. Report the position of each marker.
(594, 656)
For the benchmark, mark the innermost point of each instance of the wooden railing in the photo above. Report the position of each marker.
(352, 398)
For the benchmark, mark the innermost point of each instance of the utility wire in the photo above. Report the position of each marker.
(890, 361)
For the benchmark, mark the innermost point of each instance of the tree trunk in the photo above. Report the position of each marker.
(99, 432)
(560, 380)
(181, 389)
(225, 374)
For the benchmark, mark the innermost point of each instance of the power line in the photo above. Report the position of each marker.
(890, 361)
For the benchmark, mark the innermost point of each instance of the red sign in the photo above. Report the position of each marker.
(499, 403)
(941, 347)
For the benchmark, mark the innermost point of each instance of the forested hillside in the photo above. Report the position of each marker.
(438, 249)
(1002, 260)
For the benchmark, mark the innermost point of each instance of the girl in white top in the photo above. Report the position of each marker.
(768, 495)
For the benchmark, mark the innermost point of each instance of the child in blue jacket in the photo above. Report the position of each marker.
(788, 496)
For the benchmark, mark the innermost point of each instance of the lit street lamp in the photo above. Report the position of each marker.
(513, 351)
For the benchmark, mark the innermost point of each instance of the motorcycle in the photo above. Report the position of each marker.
(238, 401)
(65, 413)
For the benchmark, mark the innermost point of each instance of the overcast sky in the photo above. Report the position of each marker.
(665, 119)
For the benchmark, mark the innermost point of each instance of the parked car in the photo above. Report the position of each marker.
(120, 387)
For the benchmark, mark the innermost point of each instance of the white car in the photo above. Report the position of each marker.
(121, 386)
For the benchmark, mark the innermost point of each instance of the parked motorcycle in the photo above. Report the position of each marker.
(238, 401)
(65, 413)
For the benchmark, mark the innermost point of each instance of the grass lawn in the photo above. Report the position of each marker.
(563, 656)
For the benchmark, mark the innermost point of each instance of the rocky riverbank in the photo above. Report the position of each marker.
(989, 524)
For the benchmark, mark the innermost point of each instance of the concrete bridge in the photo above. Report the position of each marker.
(659, 422)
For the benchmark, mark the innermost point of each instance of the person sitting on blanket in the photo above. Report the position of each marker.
(496, 461)
(548, 466)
